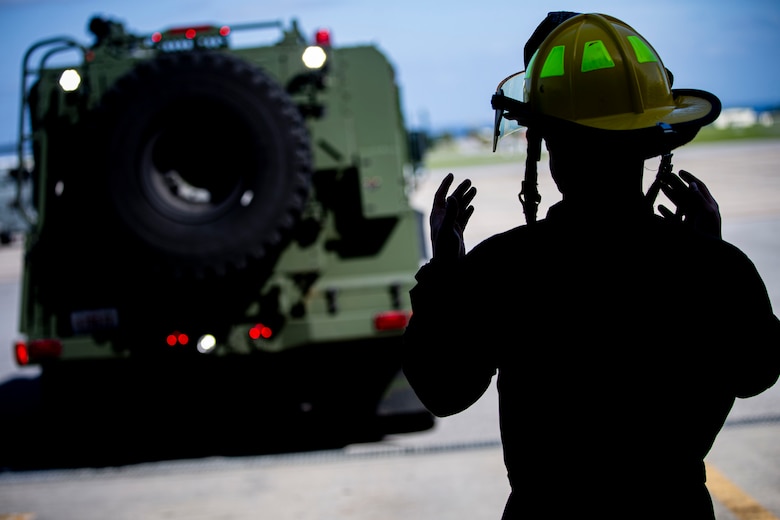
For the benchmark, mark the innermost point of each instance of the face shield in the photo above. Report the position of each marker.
(513, 113)
(512, 87)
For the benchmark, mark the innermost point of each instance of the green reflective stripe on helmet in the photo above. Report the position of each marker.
(595, 56)
(553, 65)
(643, 53)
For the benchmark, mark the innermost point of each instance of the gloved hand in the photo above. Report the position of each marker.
(449, 217)
(695, 205)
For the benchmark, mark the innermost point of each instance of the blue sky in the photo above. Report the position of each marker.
(448, 56)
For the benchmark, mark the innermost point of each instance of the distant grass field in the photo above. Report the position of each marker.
(447, 155)
(710, 133)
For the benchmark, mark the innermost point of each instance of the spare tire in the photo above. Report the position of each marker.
(208, 162)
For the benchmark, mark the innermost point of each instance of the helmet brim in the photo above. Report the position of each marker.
(655, 131)
(695, 107)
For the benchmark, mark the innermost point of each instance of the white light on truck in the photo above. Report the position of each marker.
(314, 57)
(70, 80)
(206, 343)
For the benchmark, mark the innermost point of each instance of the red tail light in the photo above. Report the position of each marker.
(392, 320)
(37, 350)
(177, 338)
(21, 353)
(260, 331)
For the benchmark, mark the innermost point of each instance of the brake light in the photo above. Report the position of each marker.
(21, 353)
(260, 331)
(392, 320)
(37, 350)
(177, 338)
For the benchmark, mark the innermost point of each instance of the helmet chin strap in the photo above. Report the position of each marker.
(529, 193)
(664, 169)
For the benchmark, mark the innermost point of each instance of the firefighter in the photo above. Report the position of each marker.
(619, 337)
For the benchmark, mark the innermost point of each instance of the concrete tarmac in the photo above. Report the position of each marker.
(454, 471)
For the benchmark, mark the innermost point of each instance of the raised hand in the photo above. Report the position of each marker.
(449, 217)
(696, 206)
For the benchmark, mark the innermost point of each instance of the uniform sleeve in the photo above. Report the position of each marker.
(766, 369)
(755, 358)
(447, 365)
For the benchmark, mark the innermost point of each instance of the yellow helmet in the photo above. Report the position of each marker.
(595, 71)
(591, 76)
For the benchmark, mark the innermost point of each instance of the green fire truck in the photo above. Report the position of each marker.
(217, 230)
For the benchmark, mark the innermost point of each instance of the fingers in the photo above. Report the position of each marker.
(686, 189)
(462, 189)
(440, 198)
(694, 202)
(468, 196)
(464, 194)
(452, 211)
(673, 187)
(688, 177)
(466, 215)
(667, 213)
(462, 197)
(459, 209)
(697, 192)
(693, 181)
(677, 193)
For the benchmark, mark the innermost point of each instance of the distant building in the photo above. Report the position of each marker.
(742, 118)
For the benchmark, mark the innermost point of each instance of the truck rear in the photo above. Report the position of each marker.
(219, 230)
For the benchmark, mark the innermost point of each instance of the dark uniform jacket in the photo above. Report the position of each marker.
(620, 341)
